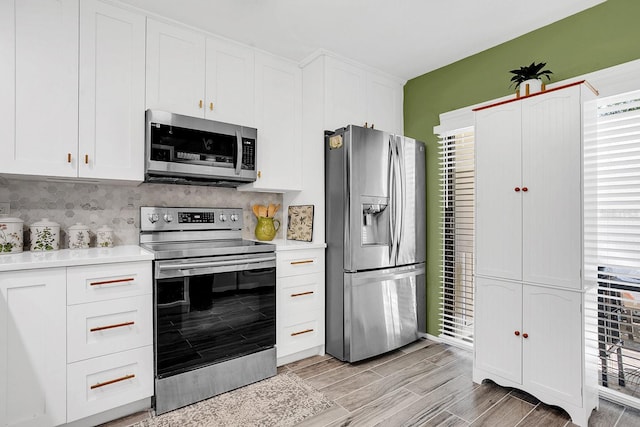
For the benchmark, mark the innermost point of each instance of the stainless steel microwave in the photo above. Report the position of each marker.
(190, 150)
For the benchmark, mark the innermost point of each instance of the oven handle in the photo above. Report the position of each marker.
(197, 268)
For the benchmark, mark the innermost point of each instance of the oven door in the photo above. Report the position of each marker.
(212, 309)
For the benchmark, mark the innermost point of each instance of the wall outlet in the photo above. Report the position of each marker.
(4, 208)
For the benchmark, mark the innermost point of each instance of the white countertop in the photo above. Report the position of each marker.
(293, 245)
(72, 257)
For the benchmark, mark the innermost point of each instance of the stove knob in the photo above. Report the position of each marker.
(234, 217)
(168, 217)
(223, 217)
(153, 218)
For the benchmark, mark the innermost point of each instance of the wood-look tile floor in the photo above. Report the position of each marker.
(429, 384)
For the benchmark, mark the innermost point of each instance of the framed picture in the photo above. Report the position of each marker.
(300, 223)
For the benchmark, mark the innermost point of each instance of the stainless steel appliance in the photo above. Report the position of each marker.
(376, 241)
(214, 303)
(190, 150)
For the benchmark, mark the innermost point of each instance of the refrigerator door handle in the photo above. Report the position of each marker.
(401, 199)
(392, 185)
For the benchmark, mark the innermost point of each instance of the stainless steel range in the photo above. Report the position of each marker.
(214, 303)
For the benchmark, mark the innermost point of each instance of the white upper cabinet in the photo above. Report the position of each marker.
(278, 109)
(191, 74)
(111, 128)
(229, 83)
(175, 69)
(39, 87)
(361, 97)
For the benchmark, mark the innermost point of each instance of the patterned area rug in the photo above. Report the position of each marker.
(283, 400)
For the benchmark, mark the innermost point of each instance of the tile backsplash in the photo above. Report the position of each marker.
(118, 206)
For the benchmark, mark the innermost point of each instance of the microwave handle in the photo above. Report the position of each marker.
(239, 152)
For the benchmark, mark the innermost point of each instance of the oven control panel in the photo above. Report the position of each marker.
(167, 218)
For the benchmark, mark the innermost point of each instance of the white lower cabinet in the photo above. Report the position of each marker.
(109, 337)
(102, 383)
(530, 337)
(300, 304)
(74, 342)
(32, 348)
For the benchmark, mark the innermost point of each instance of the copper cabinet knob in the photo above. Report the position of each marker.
(525, 335)
(516, 189)
(525, 189)
(517, 333)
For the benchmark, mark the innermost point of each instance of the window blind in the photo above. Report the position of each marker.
(457, 176)
(612, 241)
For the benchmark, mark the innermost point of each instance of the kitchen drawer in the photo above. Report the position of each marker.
(104, 327)
(299, 337)
(103, 383)
(306, 261)
(108, 281)
(300, 295)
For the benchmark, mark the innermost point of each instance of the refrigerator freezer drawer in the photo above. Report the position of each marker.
(381, 310)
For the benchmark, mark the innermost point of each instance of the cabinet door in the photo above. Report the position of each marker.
(33, 348)
(39, 87)
(384, 104)
(346, 88)
(552, 352)
(498, 318)
(498, 195)
(551, 171)
(279, 123)
(112, 46)
(175, 69)
(229, 83)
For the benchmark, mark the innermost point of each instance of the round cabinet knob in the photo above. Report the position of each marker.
(525, 189)
(517, 333)
(153, 218)
(517, 189)
(223, 217)
(525, 335)
(168, 217)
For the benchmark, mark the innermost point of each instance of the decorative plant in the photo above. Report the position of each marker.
(528, 72)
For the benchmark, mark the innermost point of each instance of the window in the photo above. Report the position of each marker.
(612, 240)
(458, 195)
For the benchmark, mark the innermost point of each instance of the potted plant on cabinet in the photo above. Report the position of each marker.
(528, 79)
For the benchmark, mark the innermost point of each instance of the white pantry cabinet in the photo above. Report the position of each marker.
(33, 347)
(300, 302)
(196, 75)
(112, 67)
(529, 321)
(39, 87)
(278, 110)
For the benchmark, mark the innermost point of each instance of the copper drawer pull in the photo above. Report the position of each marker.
(106, 282)
(306, 261)
(68, 157)
(293, 334)
(302, 293)
(117, 380)
(119, 325)
(86, 159)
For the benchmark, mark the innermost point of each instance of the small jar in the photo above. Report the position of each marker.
(78, 236)
(104, 237)
(11, 235)
(45, 235)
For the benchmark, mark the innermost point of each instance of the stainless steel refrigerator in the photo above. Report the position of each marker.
(376, 242)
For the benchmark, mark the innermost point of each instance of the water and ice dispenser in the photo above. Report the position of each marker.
(375, 221)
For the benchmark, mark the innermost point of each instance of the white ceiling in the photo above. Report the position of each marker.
(405, 38)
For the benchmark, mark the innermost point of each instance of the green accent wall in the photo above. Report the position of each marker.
(597, 38)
